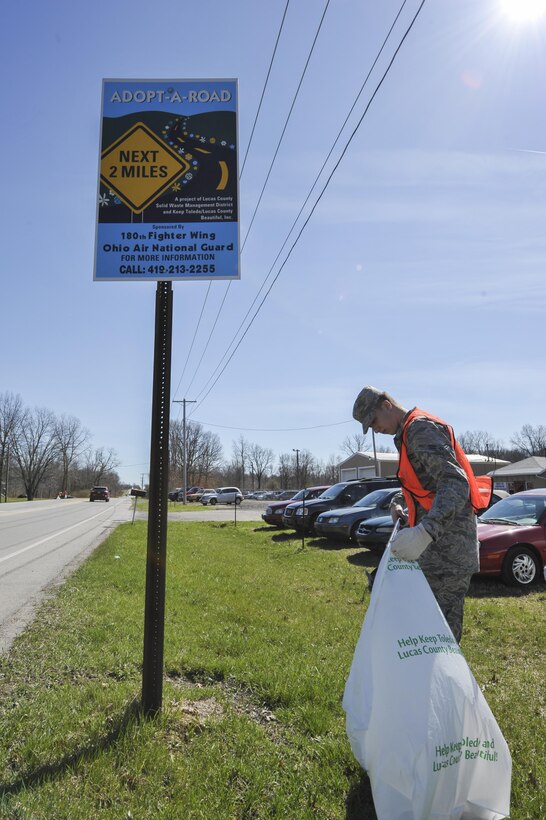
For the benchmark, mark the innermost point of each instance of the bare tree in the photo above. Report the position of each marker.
(328, 472)
(176, 451)
(357, 443)
(286, 471)
(203, 452)
(35, 447)
(72, 439)
(479, 442)
(208, 457)
(99, 463)
(11, 410)
(307, 467)
(260, 460)
(241, 449)
(531, 440)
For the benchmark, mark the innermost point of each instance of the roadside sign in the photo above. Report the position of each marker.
(168, 200)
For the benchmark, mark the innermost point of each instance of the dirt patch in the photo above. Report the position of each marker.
(239, 698)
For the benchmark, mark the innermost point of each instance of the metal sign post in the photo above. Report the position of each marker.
(154, 613)
(167, 210)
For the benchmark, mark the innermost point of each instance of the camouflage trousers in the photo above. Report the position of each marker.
(449, 591)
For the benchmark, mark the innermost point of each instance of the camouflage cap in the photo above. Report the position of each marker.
(365, 406)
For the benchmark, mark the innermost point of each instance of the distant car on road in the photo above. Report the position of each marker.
(223, 495)
(99, 494)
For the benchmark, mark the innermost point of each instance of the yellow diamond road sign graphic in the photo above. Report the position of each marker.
(139, 167)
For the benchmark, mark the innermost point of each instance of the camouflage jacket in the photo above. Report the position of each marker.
(451, 520)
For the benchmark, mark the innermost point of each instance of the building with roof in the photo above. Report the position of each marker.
(521, 475)
(385, 465)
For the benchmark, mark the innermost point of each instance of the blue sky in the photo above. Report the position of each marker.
(421, 271)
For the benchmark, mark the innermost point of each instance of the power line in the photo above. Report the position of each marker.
(311, 212)
(286, 123)
(274, 429)
(264, 88)
(240, 175)
(194, 337)
(268, 173)
(209, 338)
(362, 87)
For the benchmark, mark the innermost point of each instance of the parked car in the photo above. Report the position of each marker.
(343, 522)
(195, 493)
(512, 536)
(374, 533)
(274, 512)
(99, 494)
(344, 494)
(223, 495)
(199, 495)
(511, 532)
(178, 493)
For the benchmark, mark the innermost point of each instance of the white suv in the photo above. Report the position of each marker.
(223, 495)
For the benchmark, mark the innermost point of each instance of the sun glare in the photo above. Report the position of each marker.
(523, 11)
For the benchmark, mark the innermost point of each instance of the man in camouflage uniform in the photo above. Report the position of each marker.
(444, 539)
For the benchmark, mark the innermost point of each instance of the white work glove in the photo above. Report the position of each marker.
(409, 543)
(398, 514)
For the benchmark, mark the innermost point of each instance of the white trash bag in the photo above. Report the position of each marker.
(417, 721)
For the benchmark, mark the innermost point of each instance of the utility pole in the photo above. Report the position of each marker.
(297, 452)
(184, 402)
(375, 455)
(7, 475)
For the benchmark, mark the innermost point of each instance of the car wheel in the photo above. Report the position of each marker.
(520, 567)
(237, 500)
(91, 499)
(212, 501)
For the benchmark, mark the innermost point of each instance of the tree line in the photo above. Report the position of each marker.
(253, 466)
(43, 454)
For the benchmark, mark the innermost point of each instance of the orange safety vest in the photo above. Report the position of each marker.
(481, 487)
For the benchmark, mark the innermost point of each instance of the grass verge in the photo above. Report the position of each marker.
(258, 643)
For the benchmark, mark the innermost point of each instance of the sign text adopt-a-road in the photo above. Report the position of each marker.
(168, 183)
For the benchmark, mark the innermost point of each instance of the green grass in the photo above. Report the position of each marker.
(258, 642)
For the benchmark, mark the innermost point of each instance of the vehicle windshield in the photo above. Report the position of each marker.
(372, 499)
(517, 509)
(334, 491)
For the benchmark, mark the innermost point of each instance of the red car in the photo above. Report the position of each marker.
(273, 513)
(512, 535)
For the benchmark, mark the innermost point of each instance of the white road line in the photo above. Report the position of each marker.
(50, 537)
(21, 510)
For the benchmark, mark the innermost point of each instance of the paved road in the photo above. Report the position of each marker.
(41, 542)
(249, 510)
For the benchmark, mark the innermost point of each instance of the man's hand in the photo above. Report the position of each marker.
(398, 514)
(410, 542)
